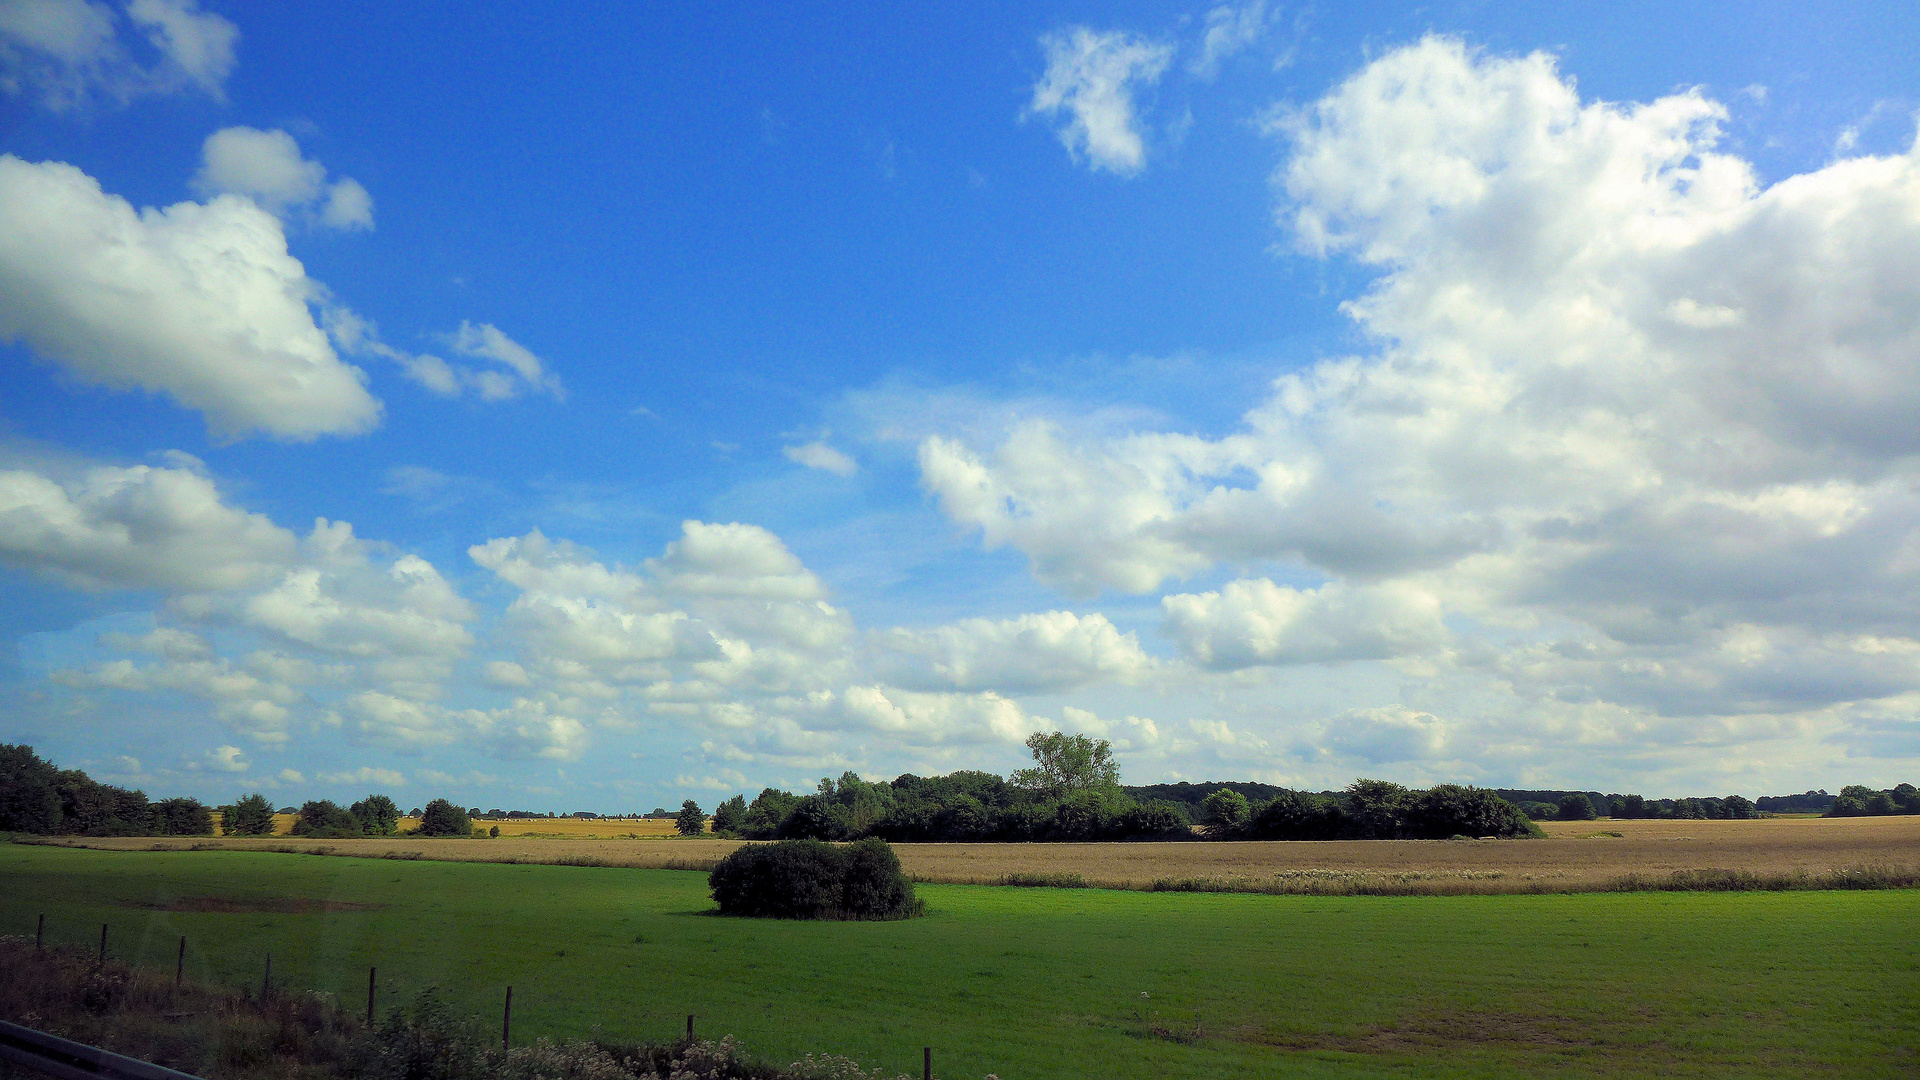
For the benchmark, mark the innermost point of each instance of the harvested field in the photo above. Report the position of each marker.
(1576, 856)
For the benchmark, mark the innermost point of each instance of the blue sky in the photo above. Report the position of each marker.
(595, 409)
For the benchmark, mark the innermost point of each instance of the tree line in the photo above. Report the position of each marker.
(1073, 793)
(36, 797)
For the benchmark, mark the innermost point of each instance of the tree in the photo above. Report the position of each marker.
(691, 821)
(325, 819)
(731, 815)
(1737, 806)
(29, 802)
(250, 816)
(1225, 813)
(442, 818)
(1067, 764)
(1451, 810)
(181, 817)
(1377, 809)
(377, 814)
(1576, 807)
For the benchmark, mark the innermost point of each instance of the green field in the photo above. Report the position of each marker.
(1031, 983)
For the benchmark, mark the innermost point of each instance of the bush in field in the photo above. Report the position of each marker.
(811, 879)
(442, 818)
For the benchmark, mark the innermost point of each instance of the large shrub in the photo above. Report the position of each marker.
(812, 879)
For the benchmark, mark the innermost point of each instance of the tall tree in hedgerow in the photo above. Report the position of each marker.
(691, 821)
(442, 818)
(250, 816)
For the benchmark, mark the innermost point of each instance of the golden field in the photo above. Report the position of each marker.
(1575, 856)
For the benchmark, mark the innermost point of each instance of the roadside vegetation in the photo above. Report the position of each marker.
(223, 1033)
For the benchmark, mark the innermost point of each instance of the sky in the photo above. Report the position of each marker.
(586, 409)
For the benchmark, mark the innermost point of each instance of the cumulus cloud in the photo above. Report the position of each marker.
(1251, 622)
(1089, 87)
(818, 455)
(1645, 417)
(226, 759)
(136, 528)
(71, 52)
(347, 601)
(1052, 651)
(266, 166)
(199, 301)
(1388, 734)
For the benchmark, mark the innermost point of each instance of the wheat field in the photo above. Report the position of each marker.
(1575, 856)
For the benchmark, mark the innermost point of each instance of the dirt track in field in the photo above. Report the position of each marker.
(1575, 855)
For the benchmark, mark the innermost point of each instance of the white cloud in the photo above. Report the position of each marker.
(199, 301)
(1388, 734)
(348, 602)
(1052, 651)
(266, 167)
(818, 455)
(1227, 31)
(734, 560)
(139, 527)
(226, 759)
(1254, 621)
(365, 774)
(291, 776)
(1621, 396)
(197, 44)
(1090, 82)
(71, 52)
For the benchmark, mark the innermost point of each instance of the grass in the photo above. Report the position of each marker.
(1048, 982)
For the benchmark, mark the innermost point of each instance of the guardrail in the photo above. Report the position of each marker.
(71, 1060)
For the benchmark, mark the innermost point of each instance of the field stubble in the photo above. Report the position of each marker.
(1575, 857)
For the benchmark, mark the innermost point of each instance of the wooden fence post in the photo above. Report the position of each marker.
(506, 1020)
(266, 979)
(39, 934)
(180, 963)
(926, 1063)
(370, 972)
(689, 1027)
(103, 943)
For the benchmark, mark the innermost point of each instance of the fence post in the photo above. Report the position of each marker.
(39, 933)
(506, 1020)
(689, 1027)
(103, 943)
(370, 972)
(266, 979)
(180, 964)
(926, 1063)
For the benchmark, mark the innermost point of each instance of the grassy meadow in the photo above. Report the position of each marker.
(1030, 983)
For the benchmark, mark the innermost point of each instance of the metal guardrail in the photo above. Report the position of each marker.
(71, 1060)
